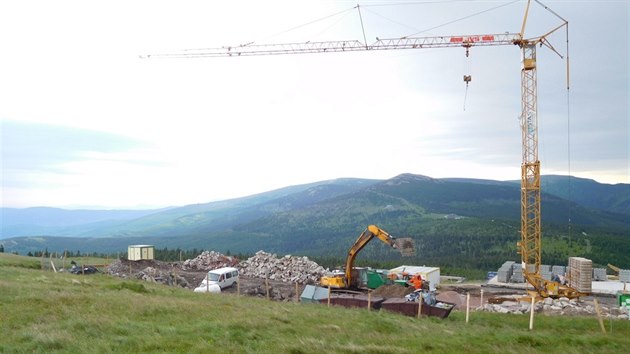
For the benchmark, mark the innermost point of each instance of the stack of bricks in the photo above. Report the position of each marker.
(505, 272)
(545, 271)
(517, 273)
(599, 274)
(580, 274)
(624, 275)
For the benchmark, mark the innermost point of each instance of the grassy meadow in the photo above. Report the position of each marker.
(47, 312)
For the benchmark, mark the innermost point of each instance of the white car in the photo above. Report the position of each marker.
(218, 279)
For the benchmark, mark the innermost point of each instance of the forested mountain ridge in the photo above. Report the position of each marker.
(454, 222)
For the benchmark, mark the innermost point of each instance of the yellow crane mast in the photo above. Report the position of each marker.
(529, 246)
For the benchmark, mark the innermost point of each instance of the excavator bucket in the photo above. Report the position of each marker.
(406, 246)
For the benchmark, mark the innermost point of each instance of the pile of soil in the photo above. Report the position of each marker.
(393, 290)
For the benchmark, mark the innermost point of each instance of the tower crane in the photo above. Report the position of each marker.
(529, 246)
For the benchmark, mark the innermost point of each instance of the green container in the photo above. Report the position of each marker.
(375, 279)
(623, 299)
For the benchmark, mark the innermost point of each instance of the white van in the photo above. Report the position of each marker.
(218, 279)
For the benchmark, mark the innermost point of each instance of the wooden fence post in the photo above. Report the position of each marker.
(467, 306)
(531, 315)
(328, 295)
(599, 316)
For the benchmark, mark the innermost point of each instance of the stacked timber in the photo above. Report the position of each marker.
(580, 274)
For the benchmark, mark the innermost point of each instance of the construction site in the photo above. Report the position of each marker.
(559, 288)
(521, 286)
(297, 279)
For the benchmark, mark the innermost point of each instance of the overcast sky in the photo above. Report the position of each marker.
(87, 123)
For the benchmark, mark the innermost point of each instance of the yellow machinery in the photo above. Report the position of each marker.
(348, 280)
(530, 245)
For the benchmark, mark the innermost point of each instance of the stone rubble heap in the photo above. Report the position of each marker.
(274, 293)
(150, 273)
(561, 306)
(209, 260)
(157, 276)
(287, 269)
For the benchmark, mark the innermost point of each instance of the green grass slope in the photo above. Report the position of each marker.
(44, 312)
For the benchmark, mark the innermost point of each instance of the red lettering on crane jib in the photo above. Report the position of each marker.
(472, 39)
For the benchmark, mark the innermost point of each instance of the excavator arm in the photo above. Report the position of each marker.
(366, 236)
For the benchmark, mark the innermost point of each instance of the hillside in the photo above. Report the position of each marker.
(158, 222)
(613, 198)
(48, 312)
(456, 223)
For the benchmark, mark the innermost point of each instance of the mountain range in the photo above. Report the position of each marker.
(454, 222)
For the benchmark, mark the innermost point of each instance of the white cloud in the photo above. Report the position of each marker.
(177, 131)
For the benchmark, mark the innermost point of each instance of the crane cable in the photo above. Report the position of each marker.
(467, 77)
(464, 18)
(348, 10)
(570, 184)
(569, 134)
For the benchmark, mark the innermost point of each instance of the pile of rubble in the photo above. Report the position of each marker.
(150, 272)
(561, 306)
(209, 260)
(157, 276)
(286, 269)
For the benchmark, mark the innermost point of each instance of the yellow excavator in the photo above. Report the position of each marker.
(349, 277)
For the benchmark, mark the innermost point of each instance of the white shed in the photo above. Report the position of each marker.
(432, 274)
(138, 252)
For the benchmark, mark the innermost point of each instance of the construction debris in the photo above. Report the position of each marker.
(148, 270)
(157, 276)
(286, 269)
(561, 306)
(209, 260)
